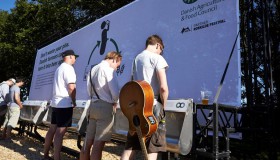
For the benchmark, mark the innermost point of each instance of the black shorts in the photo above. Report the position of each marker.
(62, 117)
(154, 144)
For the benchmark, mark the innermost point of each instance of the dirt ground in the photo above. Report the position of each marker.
(29, 148)
(26, 147)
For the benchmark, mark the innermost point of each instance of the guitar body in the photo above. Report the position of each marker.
(137, 99)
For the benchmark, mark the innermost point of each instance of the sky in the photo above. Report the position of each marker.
(6, 5)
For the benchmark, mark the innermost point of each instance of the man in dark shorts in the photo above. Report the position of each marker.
(63, 102)
(150, 66)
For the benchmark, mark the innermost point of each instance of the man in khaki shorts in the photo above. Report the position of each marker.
(13, 112)
(103, 89)
(4, 97)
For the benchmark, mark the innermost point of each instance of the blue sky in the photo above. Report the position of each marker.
(7, 4)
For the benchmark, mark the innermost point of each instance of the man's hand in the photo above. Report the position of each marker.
(74, 104)
(17, 100)
(115, 107)
(72, 93)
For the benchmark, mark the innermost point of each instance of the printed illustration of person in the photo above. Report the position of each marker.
(104, 36)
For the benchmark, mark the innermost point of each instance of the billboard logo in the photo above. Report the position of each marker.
(187, 29)
(189, 1)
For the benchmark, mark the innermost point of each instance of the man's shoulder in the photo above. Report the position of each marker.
(14, 87)
(65, 66)
(3, 83)
(104, 66)
(145, 54)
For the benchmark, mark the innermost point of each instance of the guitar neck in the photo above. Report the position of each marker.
(142, 142)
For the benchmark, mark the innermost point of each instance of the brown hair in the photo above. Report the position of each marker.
(20, 79)
(154, 39)
(113, 55)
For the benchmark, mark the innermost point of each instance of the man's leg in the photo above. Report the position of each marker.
(2, 119)
(97, 148)
(49, 139)
(57, 142)
(152, 156)
(128, 154)
(11, 120)
(8, 132)
(85, 151)
(3, 110)
(4, 133)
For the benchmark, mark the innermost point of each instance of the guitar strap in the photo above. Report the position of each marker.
(133, 69)
(92, 85)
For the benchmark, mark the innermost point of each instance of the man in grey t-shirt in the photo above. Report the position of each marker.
(151, 66)
(13, 112)
(4, 98)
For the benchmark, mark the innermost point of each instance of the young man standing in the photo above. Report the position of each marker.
(4, 98)
(150, 66)
(102, 86)
(63, 102)
(13, 112)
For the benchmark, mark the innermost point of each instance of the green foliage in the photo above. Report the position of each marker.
(259, 31)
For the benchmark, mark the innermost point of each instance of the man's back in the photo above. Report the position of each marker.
(13, 90)
(4, 91)
(64, 75)
(146, 66)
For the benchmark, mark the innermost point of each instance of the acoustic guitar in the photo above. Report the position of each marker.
(136, 102)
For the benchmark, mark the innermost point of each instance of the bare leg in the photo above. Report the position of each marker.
(152, 156)
(85, 151)
(128, 155)
(58, 138)
(49, 139)
(96, 153)
(4, 133)
(8, 132)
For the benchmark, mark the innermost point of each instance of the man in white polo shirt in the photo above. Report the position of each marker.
(103, 88)
(63, 102)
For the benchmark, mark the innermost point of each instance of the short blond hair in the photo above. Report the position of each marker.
(114, 55)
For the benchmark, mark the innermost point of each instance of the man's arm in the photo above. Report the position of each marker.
(5, 93)
(17, 100)
(163, 86)
(72, 93)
